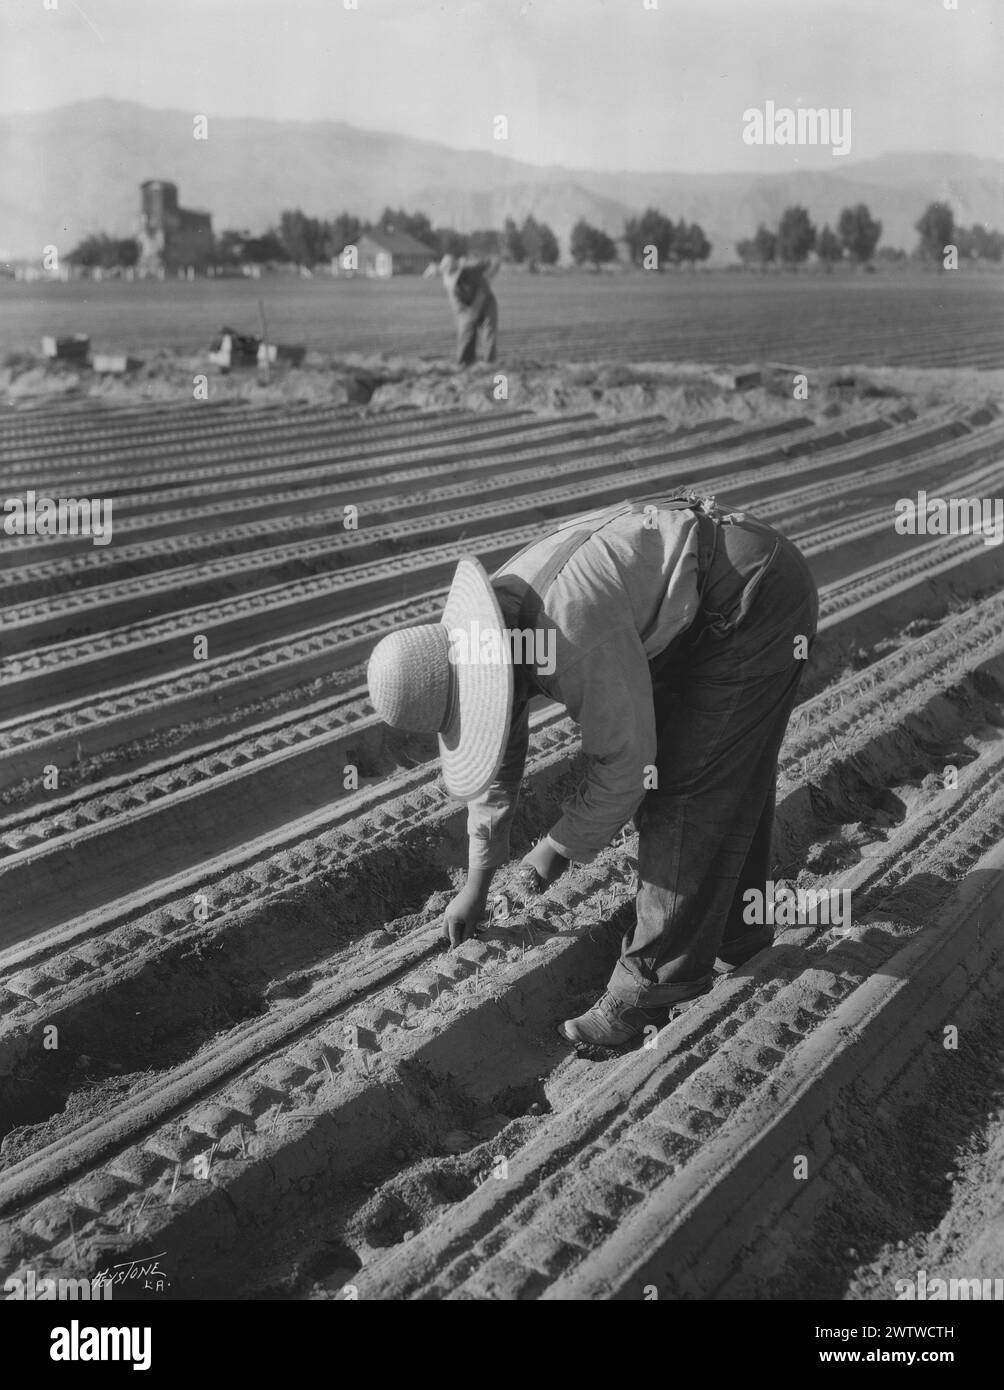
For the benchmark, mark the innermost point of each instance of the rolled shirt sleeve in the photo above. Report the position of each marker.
(608, 692)
(490, 816)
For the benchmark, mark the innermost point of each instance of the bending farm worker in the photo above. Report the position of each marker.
(474, 306)
(675, 636)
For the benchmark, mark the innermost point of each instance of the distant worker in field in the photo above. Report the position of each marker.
(676, 636)
(475, 308)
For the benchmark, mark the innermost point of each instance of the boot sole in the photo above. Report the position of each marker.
(594, 1052)
(600, 1052)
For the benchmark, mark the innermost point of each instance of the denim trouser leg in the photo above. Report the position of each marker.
(704, 833)
(489, 327)
(755, 871)
(467, 337)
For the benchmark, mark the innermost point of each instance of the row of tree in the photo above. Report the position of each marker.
(938, 229)
(299, 239)
(533, 244)
(653, 240)
(309, 241)
(795, 236)
(671, 243)
(857, 236)
(102, 252)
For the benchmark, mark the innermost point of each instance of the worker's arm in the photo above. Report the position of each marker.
(489, 820)
(608, 692)
(468, 908)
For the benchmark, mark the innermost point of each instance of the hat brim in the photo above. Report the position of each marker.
(472, 743)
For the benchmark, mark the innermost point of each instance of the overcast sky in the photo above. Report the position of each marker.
(587, 83)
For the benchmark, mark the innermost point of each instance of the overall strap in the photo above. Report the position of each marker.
(576, 523)
(545, 577)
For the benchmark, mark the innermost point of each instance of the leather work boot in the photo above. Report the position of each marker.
(742, 948)
(613, 1022)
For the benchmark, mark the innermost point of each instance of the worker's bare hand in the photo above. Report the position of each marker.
(541, 867)
(464, 913)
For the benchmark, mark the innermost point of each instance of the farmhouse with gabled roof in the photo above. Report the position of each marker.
(392, 253)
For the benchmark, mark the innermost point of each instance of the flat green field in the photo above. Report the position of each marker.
(887, 319)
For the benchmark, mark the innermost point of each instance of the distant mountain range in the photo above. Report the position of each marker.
(77, 169)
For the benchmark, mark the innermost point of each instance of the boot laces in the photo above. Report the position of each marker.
(609, 1006)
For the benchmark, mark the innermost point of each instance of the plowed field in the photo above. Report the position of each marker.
(891, 318)
(229, 1031)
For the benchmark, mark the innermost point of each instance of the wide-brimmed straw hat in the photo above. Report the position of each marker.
(453, 678)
